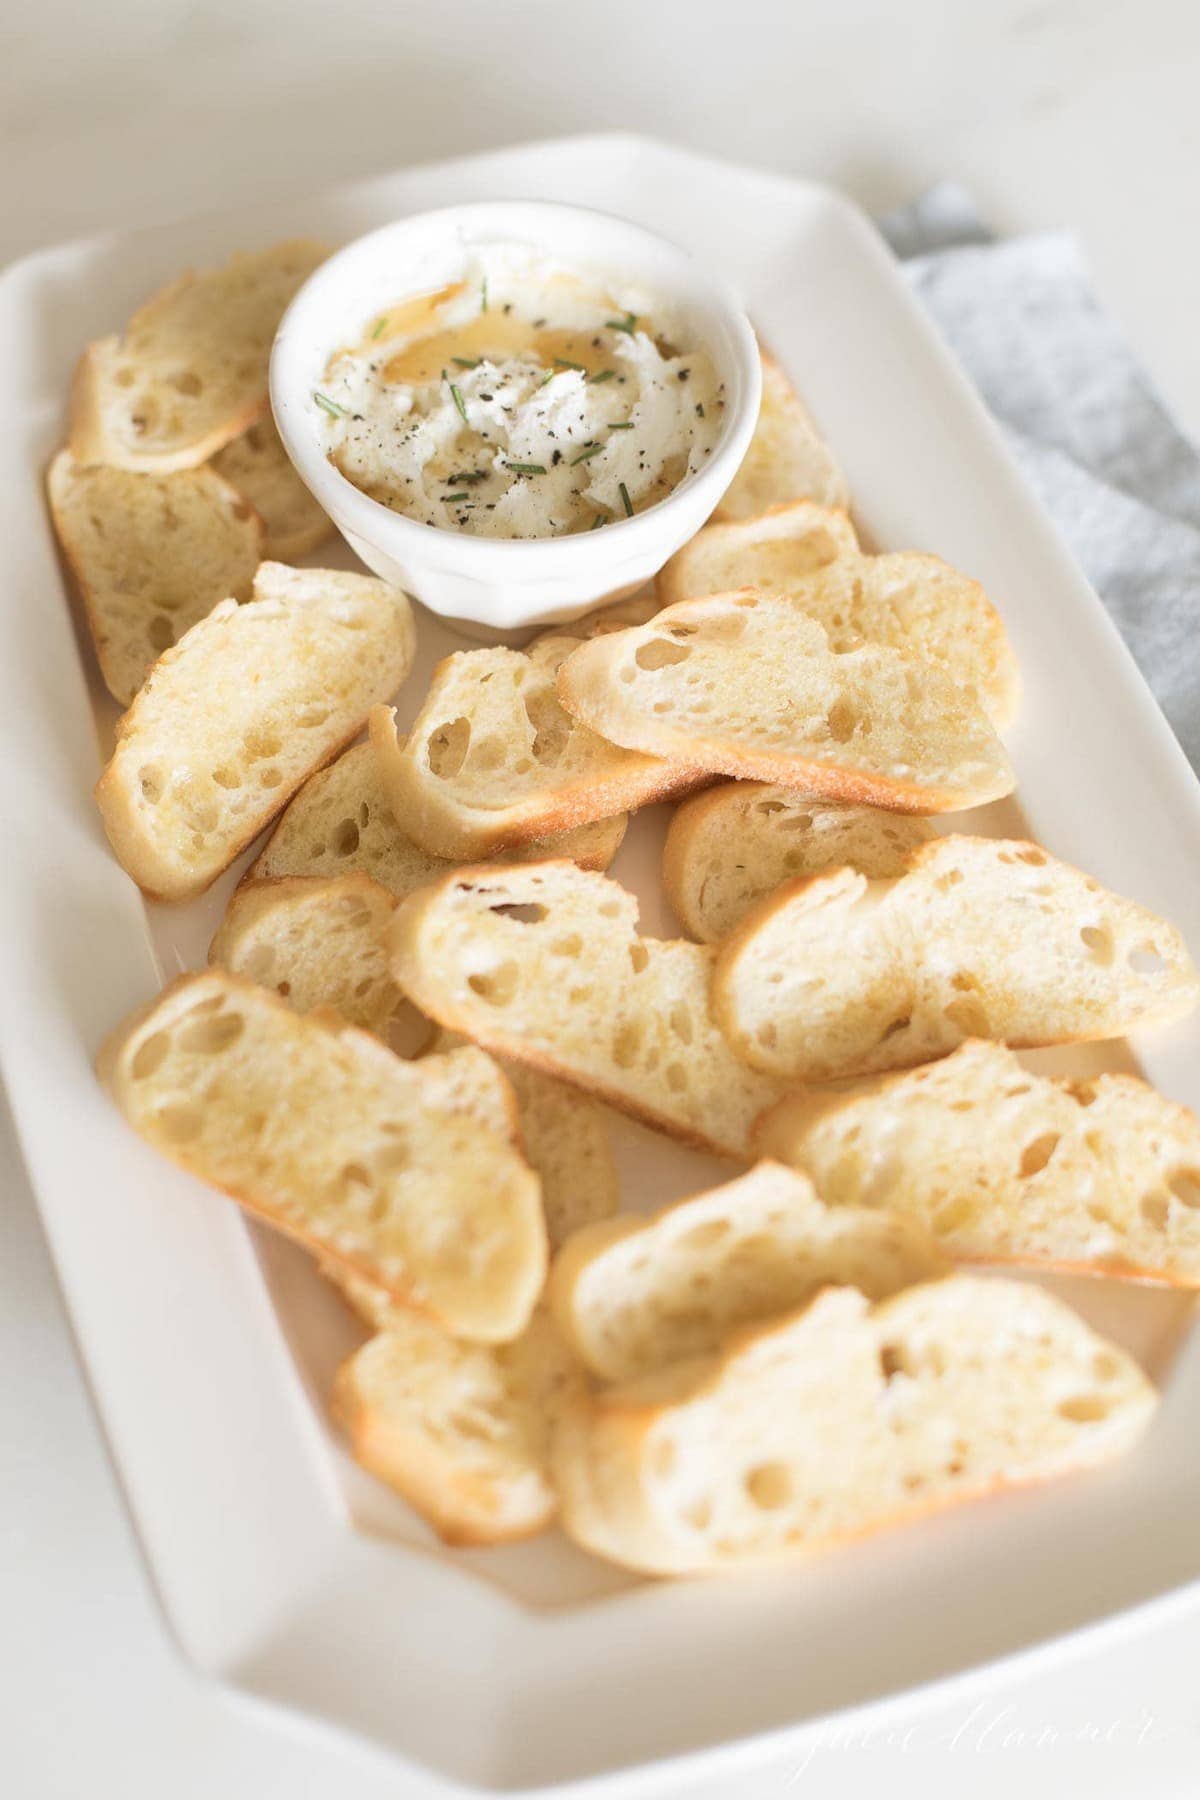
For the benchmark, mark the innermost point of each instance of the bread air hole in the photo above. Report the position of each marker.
(529, 913)
(260, 743)
(344, 838)
(953, 1216)
(841, 720)
(226, 778)
(391, 1158)
(705, 1235)
(161, 632)
(676, 1077)
(639, 956)
(185, 382)
(207, 1037)
(1185, 1185)
(660, 653)
(1099, 943)
(150, 1054)
(497, 986)
(1035, 1156)
(1155, 1209)
(181, 1122)
(968, 1016)
(551, 726)
(769, 1485)
(446, 748)
(681, 1022)
(1084, 1409)
(150, 780)
(662, 1460)
(627, 1041)
(1145, 960)
(309, 717)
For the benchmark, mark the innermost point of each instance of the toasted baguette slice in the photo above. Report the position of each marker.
(842, 1420)
(544, 964)
(1003, 1165)
(407, 1174)
(493, 760)
(151, 554)
(189, 372)
(787, 458)
(317, 943)
(917, 604)
(565, 1137)
(778, 551)
(320, 943)
(732, 845)
(461, 1431)
(631, 1294)
(341, 820)
(746, 684)
(259, 467)
(233, 719)
(980, 937)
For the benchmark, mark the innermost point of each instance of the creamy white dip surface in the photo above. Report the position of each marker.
(522, 401)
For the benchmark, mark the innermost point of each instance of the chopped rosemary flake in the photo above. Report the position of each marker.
(456, 396)
(526, 468)
(451, 498)
(467, 362)
(626, 426)
(584, 455)
(330, 406)
(699, 410)
(602, 375)
(548, 377)
(380, 326)
(626, 502)
(628, 323)
(466, 475)
(562, 362)
(598, 520)
(483, 296)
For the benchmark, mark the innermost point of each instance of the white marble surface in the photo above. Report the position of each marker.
(1052, 111)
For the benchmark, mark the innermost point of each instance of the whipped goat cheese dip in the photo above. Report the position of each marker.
(521, 401)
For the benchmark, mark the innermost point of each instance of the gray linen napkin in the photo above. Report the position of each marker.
(1108, 462)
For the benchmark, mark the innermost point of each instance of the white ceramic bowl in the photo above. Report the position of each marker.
(503, 584)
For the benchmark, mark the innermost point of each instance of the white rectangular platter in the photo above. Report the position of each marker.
(282, 1569)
